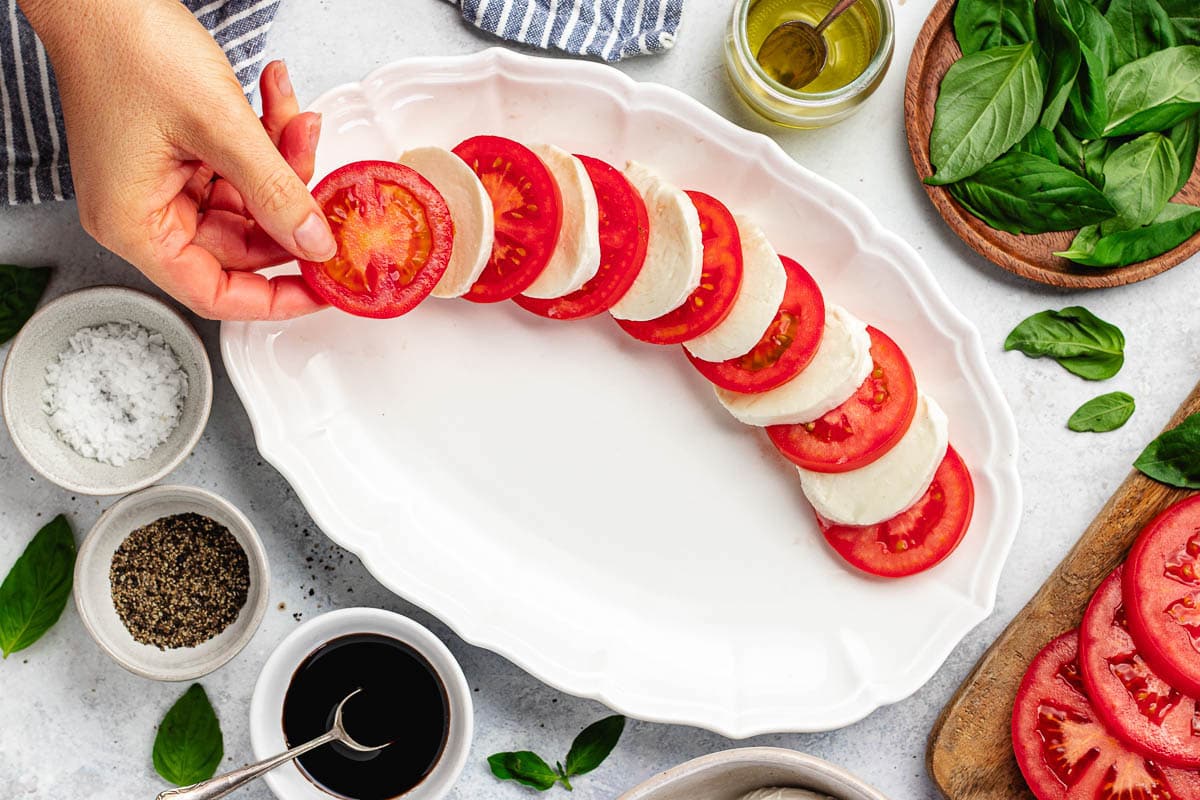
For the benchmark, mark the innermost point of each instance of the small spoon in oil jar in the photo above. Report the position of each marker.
(794, 53)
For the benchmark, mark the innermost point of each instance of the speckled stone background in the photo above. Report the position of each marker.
(76, 725)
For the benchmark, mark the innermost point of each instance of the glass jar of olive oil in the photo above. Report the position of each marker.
(859, 42)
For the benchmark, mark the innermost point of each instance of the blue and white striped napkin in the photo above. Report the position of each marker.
(607, 29)
(33, 142)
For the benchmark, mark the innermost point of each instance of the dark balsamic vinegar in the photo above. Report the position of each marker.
(402, 701)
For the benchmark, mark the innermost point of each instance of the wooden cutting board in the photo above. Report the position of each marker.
(970, 755)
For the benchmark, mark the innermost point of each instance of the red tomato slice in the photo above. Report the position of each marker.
(864, 427)
(918, 538)
(528, 211)
(720, 281)
(624, 233)
(1161, 590)
(394, 237)
(1132, 701)
(1066, 753)
(786, 348)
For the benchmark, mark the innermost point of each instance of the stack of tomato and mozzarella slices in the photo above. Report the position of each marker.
(568, 237)
(1112, 709)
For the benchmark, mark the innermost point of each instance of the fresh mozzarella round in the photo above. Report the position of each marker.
(886, 487)
(576, 257)
(763, 283)
(842, 363)
(674, 253)
(470, 209)
(783, 794)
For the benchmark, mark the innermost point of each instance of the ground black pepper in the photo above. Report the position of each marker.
(179, 581)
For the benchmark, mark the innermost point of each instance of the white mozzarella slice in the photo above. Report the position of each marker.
(890, 485)
(674, 253)
(470, 209)
(783, 794)
(763, 283)
(841, 364)
(576, 257)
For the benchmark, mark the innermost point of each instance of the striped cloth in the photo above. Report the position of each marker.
(607, 29)
(34, 142)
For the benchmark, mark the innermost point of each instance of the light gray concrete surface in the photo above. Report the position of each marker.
(77, 725)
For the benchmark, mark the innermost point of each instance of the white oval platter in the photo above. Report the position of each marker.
(579, 502)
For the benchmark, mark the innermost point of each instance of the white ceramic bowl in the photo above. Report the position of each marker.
(93, 591)
(266, 707)
(45, 335)
(730, 774)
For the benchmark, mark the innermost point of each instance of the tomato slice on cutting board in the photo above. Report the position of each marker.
(624, 234)
(1161, 589)
(918, 538)
(528, 213)
(785, 349)
(1064, 750)
(720, 280)
(394, 237)
(864, 427)
(1133, 702)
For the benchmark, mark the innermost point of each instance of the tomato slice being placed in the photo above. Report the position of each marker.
(864, 427)
(624, 234)
(786, 348)
(1161, 589)
(1066, 753)
(528, 212)
(1136, 705)
(720, 280)
(918, 538)
(394, 237)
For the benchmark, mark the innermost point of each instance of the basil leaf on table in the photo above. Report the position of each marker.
(1185, 16)
(1024, 193)
(1077, 339)
(1140, 28)
(1061, 55)
(1175, 225)
(189, 745)
(37, 588)
(984, 24)
(20, 290)
(1186, 138)
(594, 744)
(1174, 457)
(1102, 414)
(988, 102)
(525, 768)
(1155, 92)
(1140, 178)
(1039, 142)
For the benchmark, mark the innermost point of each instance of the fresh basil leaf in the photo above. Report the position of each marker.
(1140, 178)
(1140, 28)
(1155, 92)
(1095, 155)
(1175, 225)
(20, 290)
(1070, 150)
(525, 768)
(1024, 193)
(594, 744)
(1185, 16)
(1174, 457)
(189, 745)
(1077, 339)
(984, 24)
(36, 589)
(1039, 142)
(1087, 104)
(1186, 139)
(988, 102)
(1061, 56)
(1102, 414)
(1083, 245)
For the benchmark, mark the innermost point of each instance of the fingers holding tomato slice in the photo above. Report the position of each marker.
(865, 427)
(917, 539)
(624, 234)
(394, 237)
(527, 210)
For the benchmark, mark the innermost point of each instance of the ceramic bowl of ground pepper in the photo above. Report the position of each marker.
(172, 582)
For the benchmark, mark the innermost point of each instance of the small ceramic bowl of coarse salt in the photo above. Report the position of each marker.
(106, 390)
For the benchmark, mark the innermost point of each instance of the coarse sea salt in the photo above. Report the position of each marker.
(115, 393)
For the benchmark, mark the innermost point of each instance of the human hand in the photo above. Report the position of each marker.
(153, 112)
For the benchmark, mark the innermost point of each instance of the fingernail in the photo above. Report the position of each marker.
(283, 81)
(314, 132)
(313, 237)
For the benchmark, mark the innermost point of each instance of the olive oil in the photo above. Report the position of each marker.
(852, 39)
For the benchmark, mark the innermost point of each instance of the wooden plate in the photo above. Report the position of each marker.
(1030, 257)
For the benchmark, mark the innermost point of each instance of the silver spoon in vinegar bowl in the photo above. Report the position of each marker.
(796, 51)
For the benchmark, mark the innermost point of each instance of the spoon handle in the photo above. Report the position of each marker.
(222, 785)
(834, 13)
